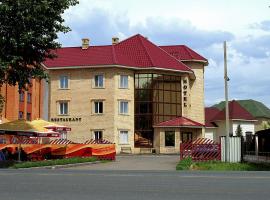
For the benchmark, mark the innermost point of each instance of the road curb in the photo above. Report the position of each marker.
(64, 166)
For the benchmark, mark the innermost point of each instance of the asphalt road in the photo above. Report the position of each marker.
(67, 184)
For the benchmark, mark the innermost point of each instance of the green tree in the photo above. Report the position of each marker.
(239, 131)
(28, 33)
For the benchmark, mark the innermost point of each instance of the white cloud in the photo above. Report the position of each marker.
(202, 26)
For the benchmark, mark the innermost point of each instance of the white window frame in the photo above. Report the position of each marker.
(94, 106)
(119, 107)
(120, 78)
(94, 81)
(59, 107)
(94, 134)
(66, 87)
(122, 131)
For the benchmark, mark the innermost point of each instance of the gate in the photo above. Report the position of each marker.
(201, 149)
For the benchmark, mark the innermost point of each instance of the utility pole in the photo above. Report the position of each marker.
(227, 125)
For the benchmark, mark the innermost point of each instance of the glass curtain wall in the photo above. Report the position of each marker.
(157, 99)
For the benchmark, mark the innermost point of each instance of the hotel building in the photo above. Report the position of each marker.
(140, 96)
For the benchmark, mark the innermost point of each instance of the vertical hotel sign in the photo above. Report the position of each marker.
(185, 92)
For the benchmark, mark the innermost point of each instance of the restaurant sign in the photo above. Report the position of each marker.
(66, 119)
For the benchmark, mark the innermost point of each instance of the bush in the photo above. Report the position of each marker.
(184, 164)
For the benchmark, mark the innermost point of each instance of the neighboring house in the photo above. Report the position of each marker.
(26, 105)
(238, 116)
(210, 126)
(133, 93)
(257, 109)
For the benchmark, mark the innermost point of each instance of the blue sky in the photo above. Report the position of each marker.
(202, 25)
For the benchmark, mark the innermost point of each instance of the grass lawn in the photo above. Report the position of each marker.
(64, 161)
(188, 164)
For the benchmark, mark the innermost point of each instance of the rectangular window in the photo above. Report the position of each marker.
(98, 135)
(21, 96)
(99, 82)
(169, 138)
(123, 137)
(63, 108)
(63, 82)
(123, 107)
(20, 115)
(98, 107)
(29, 97)
(28, 116)
(123, 81)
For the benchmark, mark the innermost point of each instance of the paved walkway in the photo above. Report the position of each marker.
(137, 162)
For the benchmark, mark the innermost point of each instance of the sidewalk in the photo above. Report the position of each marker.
(137, 162)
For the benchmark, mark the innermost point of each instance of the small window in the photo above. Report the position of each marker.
(29, 97)
(99, 82)
(63, 82)
(98, 107)
(123, 81)
(123, 107)
(63, 108)
(20, 115)
(98, 135)
(123, 137)
(28, 116)
(169, 138)
(21, 96)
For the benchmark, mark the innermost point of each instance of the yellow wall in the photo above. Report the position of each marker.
(80, 95)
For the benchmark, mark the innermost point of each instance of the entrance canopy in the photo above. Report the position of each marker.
(180, 122)
(36, 128)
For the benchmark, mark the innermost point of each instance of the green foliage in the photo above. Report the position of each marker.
(223, 166)
(266, 124)
(28, 33)
(187, 164)
(184, 164)
(239, 131)
(29, 164)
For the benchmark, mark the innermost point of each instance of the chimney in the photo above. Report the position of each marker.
(85, 43)
(115, 40)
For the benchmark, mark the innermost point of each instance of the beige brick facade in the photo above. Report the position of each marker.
(81, 94)
(80, 97)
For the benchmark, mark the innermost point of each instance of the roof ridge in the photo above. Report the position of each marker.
(105, 45)
(175, 59)
(187, 49)
(146, 50)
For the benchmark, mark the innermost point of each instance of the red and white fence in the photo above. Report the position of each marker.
(201, 149)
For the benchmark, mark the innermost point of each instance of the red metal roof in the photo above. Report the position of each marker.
(236, 111)
(210, 113)
(179, 122)
(182, 52)
(135, 51)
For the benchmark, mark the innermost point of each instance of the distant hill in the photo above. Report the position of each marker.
(256, 108)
